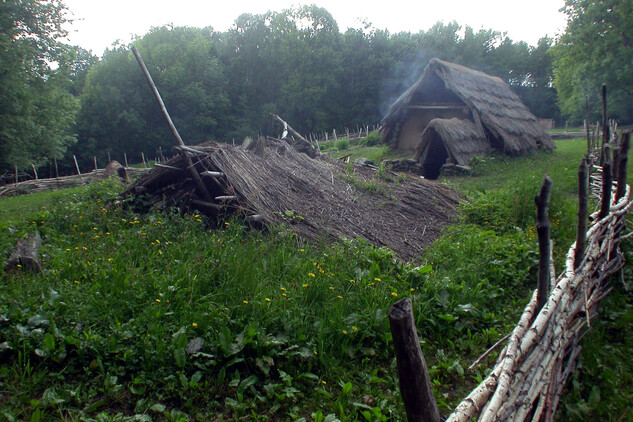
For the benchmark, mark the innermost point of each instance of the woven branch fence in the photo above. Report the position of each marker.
(530, 373)
(531, 370)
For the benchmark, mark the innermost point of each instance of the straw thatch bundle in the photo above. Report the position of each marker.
(495, 110)
(461, 141)
(318, 198)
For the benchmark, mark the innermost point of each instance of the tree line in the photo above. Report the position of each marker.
(57, 99)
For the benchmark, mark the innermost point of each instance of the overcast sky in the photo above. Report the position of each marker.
(99, 23)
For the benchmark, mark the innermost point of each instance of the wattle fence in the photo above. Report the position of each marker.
(529, 376)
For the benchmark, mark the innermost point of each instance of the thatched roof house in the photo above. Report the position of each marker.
(452, 113)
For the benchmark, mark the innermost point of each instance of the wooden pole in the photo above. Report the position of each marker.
(125, 159)
(622, 165)
(587, 125)
(158, 97)
(56, 172)
(543, 231)
(34, 171)
(16, 174)
(583, 211)
(413, 375)
(190, 166)
(94, 159)
(77, 166)
(605, 120)
(109, 159)
(143, 157)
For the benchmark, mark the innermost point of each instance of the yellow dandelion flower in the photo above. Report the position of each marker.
(157, 300)
(377, 280)
(311, 275)
(67, 250)
(245, 302)
(305, 286)
(344, 332)
(321, 270)
(157, 242)
(194, 325)
(339, 297)
(412, 290)
(160, 252)
(283, 289)
(76, 282)
(226, 224)
(354, 328)
(323, 382)
(302, 250)
(394, 294)
(331, 287)
(284, 294)
(267, 299)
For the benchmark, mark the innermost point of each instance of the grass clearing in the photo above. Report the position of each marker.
(156, 317)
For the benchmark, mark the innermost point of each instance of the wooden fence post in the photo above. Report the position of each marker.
(607, 181)
(413, 376)
(583, 211)
(543, 231)
(622, 165)
(77, 166)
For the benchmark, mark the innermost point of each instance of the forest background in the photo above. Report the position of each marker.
(58, 100)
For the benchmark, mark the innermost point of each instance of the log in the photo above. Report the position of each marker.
(25, 256)
(301, 144)
(543, 231)
(583, 211)
(212, 174)
(413, 376)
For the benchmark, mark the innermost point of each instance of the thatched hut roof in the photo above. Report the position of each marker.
(494, 107)
(461, 139)
(318, 198)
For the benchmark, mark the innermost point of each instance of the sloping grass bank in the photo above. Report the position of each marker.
(155, 317)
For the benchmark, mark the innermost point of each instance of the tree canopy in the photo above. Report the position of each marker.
(596, 49)
(37, 110)
(295, 62)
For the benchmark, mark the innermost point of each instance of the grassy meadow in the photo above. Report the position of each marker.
(152, 317)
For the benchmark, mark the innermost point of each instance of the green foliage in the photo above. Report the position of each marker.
(342, 144)
(594, 50)
(371, 140)
(37, 111)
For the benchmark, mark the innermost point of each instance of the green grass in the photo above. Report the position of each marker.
(158, 317)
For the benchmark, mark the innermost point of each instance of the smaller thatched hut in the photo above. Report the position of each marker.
(452, 113)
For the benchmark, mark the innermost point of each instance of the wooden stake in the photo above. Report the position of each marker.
(587, 125)
(125, 159)
(583, 211)
(76, 165)
(607, 181)
(94, 159)
(543, 230)
(143, 157)
(56, 172)
(622, 165)
(413, 376)
(109, 159)
(16, 174)
(34, 171)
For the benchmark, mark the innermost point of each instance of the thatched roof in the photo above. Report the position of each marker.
(495, 108)
(461, 138)
(318, 198)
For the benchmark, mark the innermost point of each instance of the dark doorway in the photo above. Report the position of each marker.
(435, 158)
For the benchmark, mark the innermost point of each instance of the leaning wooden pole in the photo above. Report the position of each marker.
(543, 231)
(583, 211)
(413, 375)
(172, 127)
(190, 166)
